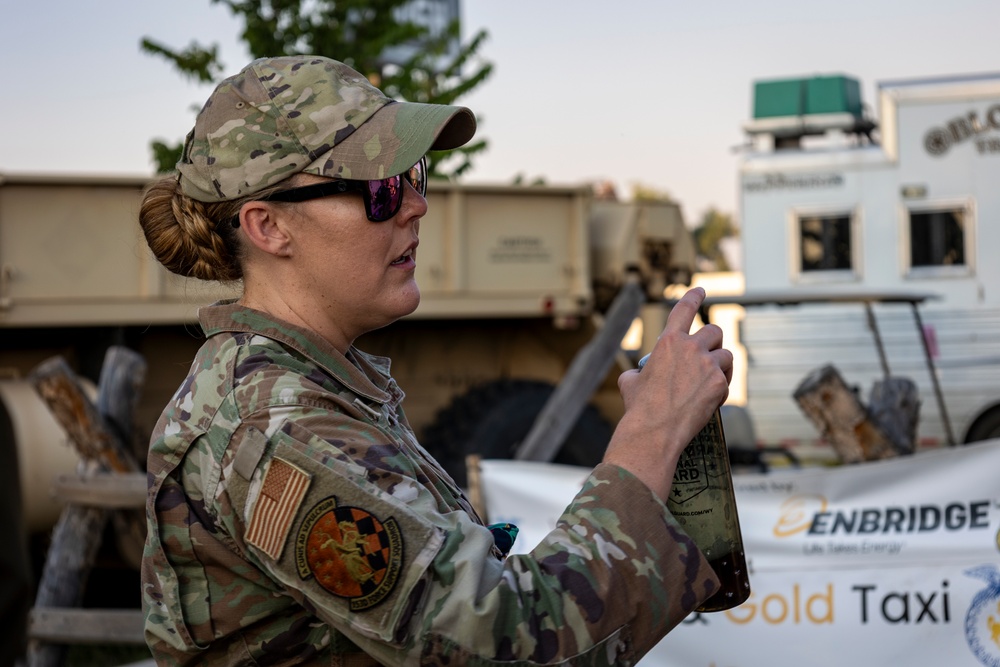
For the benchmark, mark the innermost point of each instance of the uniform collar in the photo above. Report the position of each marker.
(364, 374)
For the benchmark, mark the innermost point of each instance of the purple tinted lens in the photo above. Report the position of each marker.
(384, 198)
(417, 176)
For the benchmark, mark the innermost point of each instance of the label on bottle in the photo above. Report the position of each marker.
(704, 503)
(701, 496)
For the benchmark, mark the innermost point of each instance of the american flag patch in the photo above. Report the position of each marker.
(284, 487)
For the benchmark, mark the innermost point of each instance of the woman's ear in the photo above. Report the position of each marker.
(262, 226)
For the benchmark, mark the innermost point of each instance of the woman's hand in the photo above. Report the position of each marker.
(684, 381)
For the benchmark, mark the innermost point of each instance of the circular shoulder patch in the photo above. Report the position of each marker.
(351, 553)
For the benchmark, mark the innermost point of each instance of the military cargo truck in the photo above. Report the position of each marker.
(514, 283)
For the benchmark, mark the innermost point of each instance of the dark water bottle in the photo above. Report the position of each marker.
(703, 502)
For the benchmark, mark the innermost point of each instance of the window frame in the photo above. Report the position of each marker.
(853, 274)
(968, 208)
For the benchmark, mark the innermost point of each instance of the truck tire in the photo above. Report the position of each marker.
(493, 419)
(986, 426)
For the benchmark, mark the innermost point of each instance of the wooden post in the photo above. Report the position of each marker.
(585, 373)
(124, 373)
(78, 533)
(841, 418)
(894, 404)
(75, 541)
(475, 484)
(86, 427)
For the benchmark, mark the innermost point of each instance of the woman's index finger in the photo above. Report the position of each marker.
(682, 314)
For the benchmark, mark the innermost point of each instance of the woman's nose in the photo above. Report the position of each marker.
(414, 204)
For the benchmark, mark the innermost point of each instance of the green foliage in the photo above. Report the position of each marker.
(521, 179)
(714, 227)
(166, 155)
(356, 32)
(642, 192)
(194, 62)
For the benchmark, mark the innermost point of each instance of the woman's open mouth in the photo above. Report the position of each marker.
(404, 258)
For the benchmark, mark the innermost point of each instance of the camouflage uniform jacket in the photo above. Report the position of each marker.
(294, 519)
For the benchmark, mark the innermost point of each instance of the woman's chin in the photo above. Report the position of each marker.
(406, 304)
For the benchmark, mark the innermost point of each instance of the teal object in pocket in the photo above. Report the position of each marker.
(504, 535)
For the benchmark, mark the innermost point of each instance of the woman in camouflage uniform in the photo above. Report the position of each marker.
(293, 517)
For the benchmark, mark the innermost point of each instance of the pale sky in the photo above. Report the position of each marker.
(651, 92)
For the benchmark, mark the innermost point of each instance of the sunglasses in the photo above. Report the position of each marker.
(383, 197)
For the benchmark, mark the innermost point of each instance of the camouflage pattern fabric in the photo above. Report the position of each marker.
(282, 116)
(294, 519)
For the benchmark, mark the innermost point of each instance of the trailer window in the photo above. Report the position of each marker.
(937, 238)
(825, 242)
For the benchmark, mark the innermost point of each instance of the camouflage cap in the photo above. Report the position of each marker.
(281, 116)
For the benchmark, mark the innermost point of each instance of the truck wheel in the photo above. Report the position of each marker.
(491, 420)
(986, 427)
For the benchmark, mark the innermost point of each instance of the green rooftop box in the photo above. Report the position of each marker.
(805, 96)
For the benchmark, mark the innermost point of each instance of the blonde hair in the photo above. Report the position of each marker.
(191, 238)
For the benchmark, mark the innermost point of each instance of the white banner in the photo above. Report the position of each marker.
(884, 563)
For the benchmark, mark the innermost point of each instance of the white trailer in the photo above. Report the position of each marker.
(834, 202)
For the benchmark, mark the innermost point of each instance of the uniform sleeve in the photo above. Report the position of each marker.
(358, 529)
(614, 577)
